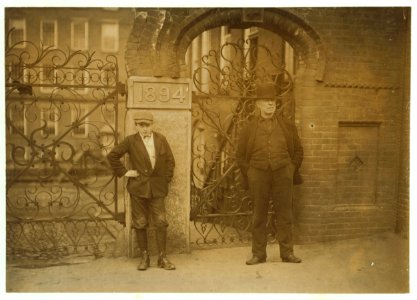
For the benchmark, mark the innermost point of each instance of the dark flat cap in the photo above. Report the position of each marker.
(143, 116)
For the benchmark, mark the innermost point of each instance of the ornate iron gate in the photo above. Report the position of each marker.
(220, 209)
(61, 116)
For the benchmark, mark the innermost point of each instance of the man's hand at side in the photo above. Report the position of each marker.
(132, 173)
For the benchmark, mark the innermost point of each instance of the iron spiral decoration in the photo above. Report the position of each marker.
(226, 83)
(61, 117)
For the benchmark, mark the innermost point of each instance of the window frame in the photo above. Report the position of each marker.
(116, 39)
(23, 70)
(85, 107)
(55, 45)
(86, 36)
(24, 122)
(42, 118)
(84, 89)
(21, 45)
(48, 89)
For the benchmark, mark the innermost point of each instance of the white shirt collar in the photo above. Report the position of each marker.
(143, 137)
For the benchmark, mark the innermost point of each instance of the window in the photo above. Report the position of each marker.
(19, 32)
(17, 72)
(290, 59)
(17, 118)
(49, 33)
(251, 37)
(110, 36)
(50, 116)
(16, 77)
(205, 49)
(80, 80)
(107, 118)
(48, 76)
(253, 57)
(225, 37)
(79, 35)
(195, 49)
(109, 112)
(76, 114)
(199, 164)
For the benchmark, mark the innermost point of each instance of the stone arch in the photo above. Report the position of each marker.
(160, 37)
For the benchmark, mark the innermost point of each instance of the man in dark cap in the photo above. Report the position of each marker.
(152, 169)
(269, 154)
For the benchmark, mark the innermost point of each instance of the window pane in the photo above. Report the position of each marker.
(77, 114)
(16, 73)
(48, 74)
(254, 54)
(49, 115)
(109, 36)
(108, 114)
(18, 34)
(80, 80)
(79, 35)
(48, 33)
(17, 114)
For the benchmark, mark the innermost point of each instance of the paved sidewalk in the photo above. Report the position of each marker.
(377, 264)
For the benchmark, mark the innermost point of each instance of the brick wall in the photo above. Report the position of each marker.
(350, 125)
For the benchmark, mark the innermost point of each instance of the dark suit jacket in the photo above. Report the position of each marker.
(247, 138)
(157, 179)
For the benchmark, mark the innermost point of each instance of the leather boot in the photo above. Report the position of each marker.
(142, 238)
(291, 258)
(144, 261)
(256, 260)
(163, 262)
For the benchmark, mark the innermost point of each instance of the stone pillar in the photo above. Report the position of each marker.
(169, 100)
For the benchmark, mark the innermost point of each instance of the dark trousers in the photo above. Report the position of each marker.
(143, 208)
(278, 184)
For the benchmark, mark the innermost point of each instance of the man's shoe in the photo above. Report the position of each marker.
(163, 262)
(144, 262)
(256, 260)
(291, 258)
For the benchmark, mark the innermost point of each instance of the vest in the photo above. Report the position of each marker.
(270, 150)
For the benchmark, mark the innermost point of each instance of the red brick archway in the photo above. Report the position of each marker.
(160, 37)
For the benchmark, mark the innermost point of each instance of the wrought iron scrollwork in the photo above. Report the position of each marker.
(226, 82)
(61, 116)
(236, 68)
